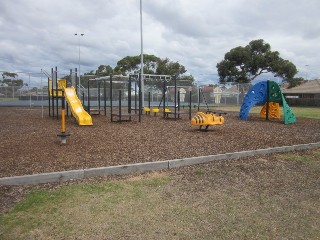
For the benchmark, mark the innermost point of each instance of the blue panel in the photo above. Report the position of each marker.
(256, 94)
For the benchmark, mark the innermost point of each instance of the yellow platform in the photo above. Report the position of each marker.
(62, 83)
(83, 118)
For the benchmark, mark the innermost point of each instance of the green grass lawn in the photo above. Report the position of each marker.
(270, 197)
(8, 99)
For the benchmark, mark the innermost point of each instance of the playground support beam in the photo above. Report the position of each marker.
(88, 100)
(57, 90)
(49, 97)
(141, 96)
(175, 98)
(267, 106)
(190, 102)
(105, 96)
(110, 90)
(129, 95)
(63, 134)
(199, 93)
(164, 99)
(52, 89)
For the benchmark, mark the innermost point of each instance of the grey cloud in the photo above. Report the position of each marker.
(39, 34)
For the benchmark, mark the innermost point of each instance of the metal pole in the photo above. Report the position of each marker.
(105, 97)
(29, 90)
(88, 97)
(140, 99)
(57, 91)
(120, 105)
(52, 91)
(267, 104)
(129, 95)
(41, 96)
(199, 99)
(164, 98)
(190, 102)
(175, 98)
(76, 82)
(49, 97)
(110, 90)
(99, 97)
(142, 82)
(135, 96)
(80, 34)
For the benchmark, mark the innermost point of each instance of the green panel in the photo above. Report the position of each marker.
(288, 115)
(274, 92)
(275, 95)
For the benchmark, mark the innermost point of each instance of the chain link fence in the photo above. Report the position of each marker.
(212, 95)
(23, 96)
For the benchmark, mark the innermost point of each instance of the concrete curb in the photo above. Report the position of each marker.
(144, 167)
(125, 169)
(42, 178)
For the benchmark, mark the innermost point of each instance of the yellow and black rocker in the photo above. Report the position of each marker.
(207, 119)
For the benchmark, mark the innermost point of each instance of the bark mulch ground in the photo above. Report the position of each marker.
(29, 143)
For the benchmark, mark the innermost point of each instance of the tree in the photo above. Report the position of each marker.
(244, 64)
(295, 82)
(168, 67)
(10, 79)
(132, 64)
(153, 65)
(104, 70)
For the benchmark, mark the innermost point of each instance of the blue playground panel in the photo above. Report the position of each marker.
(257, 94)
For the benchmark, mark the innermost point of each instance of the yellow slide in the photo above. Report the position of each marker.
(82, 117)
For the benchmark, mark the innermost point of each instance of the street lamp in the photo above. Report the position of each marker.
(141, 35)
(307, 65)
(79, 34)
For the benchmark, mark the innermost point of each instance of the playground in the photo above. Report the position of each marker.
(30, 145)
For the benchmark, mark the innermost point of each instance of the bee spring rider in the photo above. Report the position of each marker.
(207, 119)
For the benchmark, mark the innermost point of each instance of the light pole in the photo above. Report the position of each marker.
(307, 65)
(79, 34)
(142, 82)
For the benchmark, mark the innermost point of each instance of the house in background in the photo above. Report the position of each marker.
(306, 94)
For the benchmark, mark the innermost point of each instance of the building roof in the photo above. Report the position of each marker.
(232, 89)
(311, 86)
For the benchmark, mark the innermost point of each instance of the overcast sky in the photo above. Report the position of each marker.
(39, 34)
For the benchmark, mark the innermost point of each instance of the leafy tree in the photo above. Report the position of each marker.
(244, 64)
(295, 82)
(185, 80)
(10, 79)
(132, 64)
(167, 67)
(104, 70)
(153, 65)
